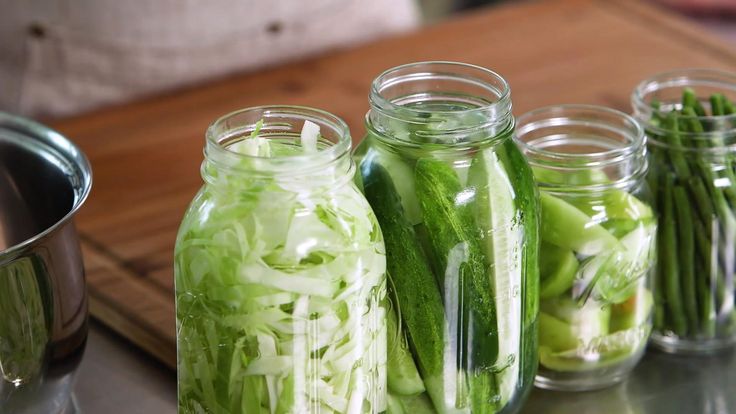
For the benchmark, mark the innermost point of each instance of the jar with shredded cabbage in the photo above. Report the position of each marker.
(280, 273)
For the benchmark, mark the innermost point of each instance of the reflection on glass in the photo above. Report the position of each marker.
(24, 327)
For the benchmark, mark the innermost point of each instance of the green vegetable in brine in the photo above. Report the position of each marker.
(452, 272)
(597, 250)
(565, 226)
(558, 267)
(457, 205)
(693, 168)
(404, 378)
(280, 291)
(416, 291)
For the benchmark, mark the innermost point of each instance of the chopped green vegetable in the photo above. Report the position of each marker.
(279, 292)
(557, 268)
(632, 313)
(597, 251)
(565, 226)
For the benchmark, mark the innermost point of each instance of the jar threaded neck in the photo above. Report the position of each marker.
(568, 140)
(660, 95)
(446, 103)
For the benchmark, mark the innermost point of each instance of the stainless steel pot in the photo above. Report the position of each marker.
(44, 179)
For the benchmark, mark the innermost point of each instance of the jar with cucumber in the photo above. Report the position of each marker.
(598, 235)
(457, 207)
(690, 120)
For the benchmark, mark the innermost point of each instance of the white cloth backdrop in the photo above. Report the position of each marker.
(59, 57)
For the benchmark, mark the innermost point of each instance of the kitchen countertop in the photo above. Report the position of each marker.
(116, 377)
(146, 155)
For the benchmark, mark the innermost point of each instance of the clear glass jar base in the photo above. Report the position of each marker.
(72, 407)
(675, 345)
(576, 382)
(587, 380)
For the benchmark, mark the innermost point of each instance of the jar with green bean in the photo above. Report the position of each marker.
(690, 119)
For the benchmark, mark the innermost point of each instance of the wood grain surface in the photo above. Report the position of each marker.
(146, 155)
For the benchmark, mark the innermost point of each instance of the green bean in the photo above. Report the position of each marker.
(717, 104)
(706, 168)
(728, 106)
(682, 169)
(659, 295)
(690, 100)
(702, 199)
(723, 199)
(686, 255)
(709, 311)
(696, 197)
(669, 250)
(708, 271)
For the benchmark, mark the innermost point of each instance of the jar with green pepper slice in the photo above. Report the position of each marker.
(690, 120)
(598, 236)
(457, 207)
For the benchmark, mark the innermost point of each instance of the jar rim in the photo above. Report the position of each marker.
(480, 99)
(553, 115)
(628, 147)
(722, 80)
(681, 78)
(282, 164)
(394, 75)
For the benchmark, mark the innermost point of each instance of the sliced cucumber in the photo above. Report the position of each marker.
(402, 175)
(403, 376)
(496, 218)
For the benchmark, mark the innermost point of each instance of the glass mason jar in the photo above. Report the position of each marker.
(280, 273)
(690, 120)
(598, 243)
(457, 206)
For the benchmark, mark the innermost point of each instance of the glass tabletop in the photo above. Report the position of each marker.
(116, 377)
(661, 383)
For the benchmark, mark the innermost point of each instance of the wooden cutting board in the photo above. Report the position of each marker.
(146, 155)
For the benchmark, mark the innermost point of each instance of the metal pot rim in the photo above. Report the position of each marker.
(68, 153)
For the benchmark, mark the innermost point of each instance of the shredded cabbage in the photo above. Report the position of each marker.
(280, 288)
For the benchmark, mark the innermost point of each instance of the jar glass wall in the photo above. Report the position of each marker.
(690, 120)
(280, 272)
(598, 236)
(457, 206)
